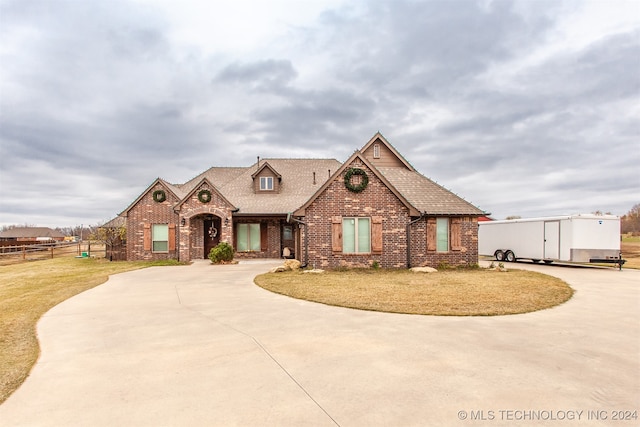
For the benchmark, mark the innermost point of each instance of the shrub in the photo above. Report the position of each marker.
(443, 265)
(223, 252)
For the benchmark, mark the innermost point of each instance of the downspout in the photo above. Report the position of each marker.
(179, 233)
(422, 215)
(306, 239)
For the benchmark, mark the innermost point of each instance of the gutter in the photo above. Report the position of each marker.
(422, 215)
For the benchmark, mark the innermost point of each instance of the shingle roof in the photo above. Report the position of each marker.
(295, 188)
(30, 232)
(118, 221)
(218, 176)
(236, 184)
(425, 195)
(298, 187)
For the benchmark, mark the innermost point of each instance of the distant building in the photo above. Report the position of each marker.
(31, 234)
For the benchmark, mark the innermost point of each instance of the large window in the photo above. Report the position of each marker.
(248, 237)
(266, 183)
(160, 237)
(442, 234)
(356, 235)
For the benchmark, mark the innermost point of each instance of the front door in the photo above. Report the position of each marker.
(211, 234)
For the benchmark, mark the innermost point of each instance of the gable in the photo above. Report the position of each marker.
(381, 156)
(167, 189)
(357, 161)
(380, 153)
(202, 194)
(266, 180)
(300, 179)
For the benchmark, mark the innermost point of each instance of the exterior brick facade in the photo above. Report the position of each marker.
(375, 200)
(378, 200)
(401, 210)
(148, 212)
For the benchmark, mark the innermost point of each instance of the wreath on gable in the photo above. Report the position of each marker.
(159, 196)
(204, 196)
(364, 180)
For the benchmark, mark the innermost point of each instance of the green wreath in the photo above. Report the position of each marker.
(204, 196)
(363, 183)
(159, 196)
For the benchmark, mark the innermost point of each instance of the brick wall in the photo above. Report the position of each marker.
(192, 234)
(148, 211)
(467, 255)
(273, 233)
(375, 200)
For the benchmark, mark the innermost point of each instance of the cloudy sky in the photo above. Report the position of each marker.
(527, 108)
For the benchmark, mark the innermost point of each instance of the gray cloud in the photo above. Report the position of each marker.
(268, 74)
(98, 99)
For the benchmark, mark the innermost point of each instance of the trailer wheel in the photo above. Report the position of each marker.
(510, 256)
(535, 260)
(548, 261)
(499, 255)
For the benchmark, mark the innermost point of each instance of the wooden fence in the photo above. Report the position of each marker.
(13, 254)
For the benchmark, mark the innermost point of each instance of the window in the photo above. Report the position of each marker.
(287, 232)
(266, 183)
(442, 234)
(248, 237)
(356, 235)
(160, 237)
(376, 151)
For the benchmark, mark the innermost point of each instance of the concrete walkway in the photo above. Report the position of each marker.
(201, 345)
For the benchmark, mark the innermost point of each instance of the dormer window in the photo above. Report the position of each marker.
(266, 183)
(376, 151)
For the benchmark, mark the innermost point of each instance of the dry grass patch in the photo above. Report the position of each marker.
(630, 248)
(447, 293)
(27, 291)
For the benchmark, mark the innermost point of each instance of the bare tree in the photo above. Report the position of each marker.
(630, 223)
(111, 234)
(12, 226)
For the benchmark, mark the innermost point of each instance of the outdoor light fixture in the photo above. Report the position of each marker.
(183, 222)
(226, 221)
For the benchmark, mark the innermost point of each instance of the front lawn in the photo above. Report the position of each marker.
(478, 292)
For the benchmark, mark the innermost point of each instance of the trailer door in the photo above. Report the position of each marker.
(552, 240)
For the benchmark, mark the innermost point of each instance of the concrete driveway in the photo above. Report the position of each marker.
(201, 345)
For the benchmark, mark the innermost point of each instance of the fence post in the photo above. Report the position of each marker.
(24, 253)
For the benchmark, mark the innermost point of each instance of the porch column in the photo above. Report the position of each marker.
(184, 234)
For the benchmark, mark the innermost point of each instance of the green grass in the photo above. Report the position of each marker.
(27, 291)
(480, 292)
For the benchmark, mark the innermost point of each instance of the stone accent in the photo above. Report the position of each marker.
(423, 270)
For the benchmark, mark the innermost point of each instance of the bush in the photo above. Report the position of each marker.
(223, 252)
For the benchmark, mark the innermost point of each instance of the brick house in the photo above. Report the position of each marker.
(375, 207)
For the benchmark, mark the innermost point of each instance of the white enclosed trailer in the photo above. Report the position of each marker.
(584, 238)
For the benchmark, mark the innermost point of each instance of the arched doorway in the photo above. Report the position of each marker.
(211, 233)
